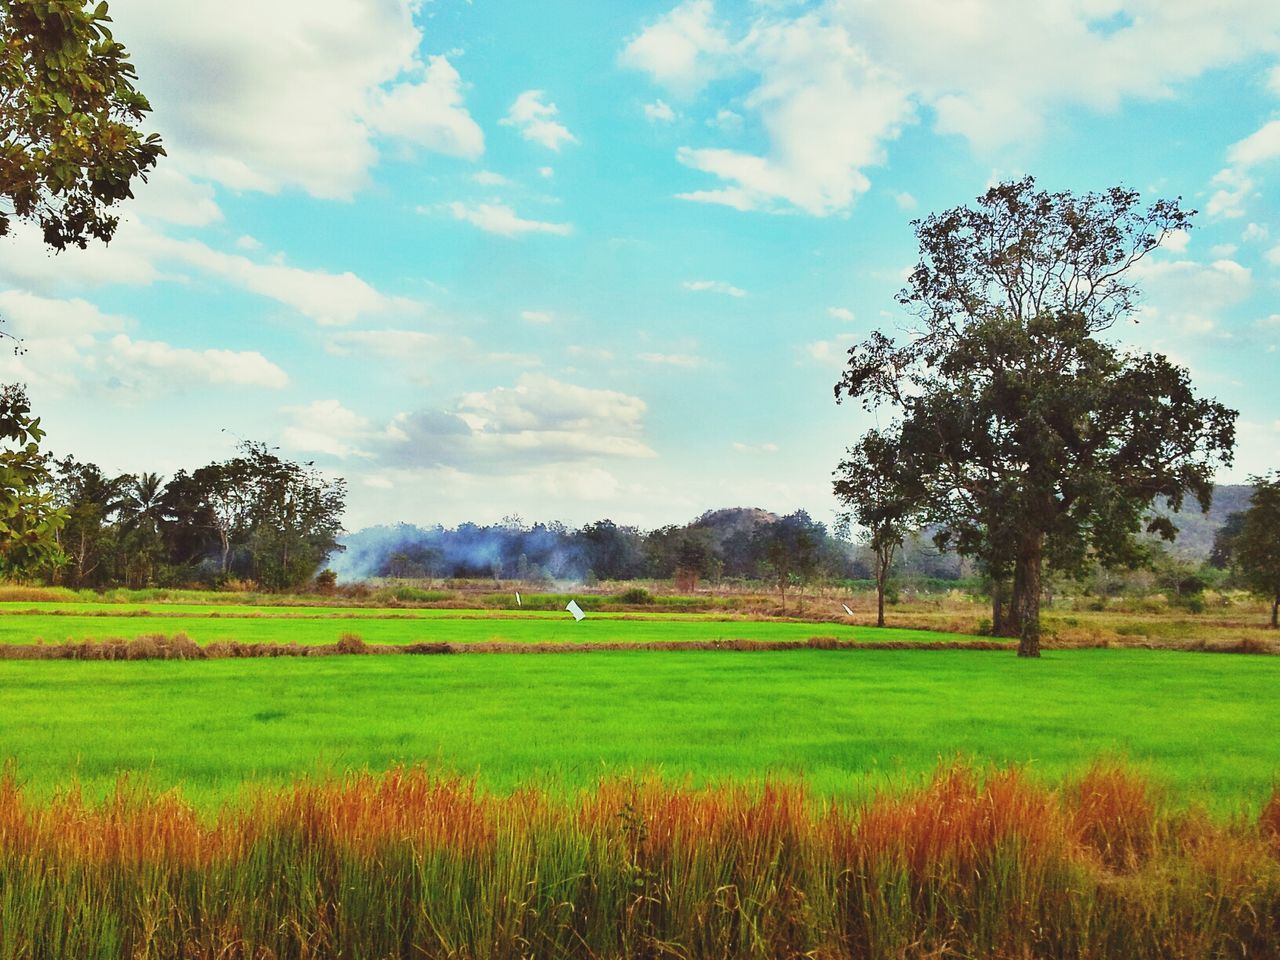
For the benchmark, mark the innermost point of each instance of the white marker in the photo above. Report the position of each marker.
(575, 610)
(846, 609)
(518, 603)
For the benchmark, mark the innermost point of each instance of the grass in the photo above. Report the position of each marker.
(408, 865)
(1200, 726)
(266, 625)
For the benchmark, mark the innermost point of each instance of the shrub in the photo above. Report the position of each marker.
(352, 643)
(635, 596)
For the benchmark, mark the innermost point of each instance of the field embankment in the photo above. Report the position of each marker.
(407, 865)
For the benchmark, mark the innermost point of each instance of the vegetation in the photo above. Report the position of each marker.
(844, 722)
(407, 864)
(1024, 437)
(29, 518)
(69, 117)
(1250, 542)
(256, 516)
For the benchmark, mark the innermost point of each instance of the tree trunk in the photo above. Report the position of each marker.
(1275, 612)
(1027, 584)
(880, 583)
(997, 607)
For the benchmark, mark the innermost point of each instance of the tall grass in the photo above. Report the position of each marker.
(411, 865)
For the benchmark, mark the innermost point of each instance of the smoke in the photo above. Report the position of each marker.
(470, 550)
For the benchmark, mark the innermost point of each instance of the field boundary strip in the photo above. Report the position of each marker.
(182, 647)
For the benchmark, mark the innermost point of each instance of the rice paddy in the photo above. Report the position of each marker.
(852, 802)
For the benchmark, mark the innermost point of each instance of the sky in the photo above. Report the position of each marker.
(572, 261)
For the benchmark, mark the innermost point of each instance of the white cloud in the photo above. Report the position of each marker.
(1254, 232)
(659, 112)
(537, 316)
(686, 361)
(1234, 188)
(324, 426)
(841, 313)
(726, 121)
(142, 363)
(714, 286)
(826, 111)
(429, 113)
(501, 219)
(330, 299)
(546, 172)
(1259, 147)
(1176, 241)
(680, 50)
(1273, 255)
(292, 94)
(1273, 80)
(831, 353)
(833, 83)
(1234, 183)
(755, 447)
(490, 179)
(173, 197)
(412, 346)
(540, 420)
(535, 121)
(246, 242)
(1187, 297)
(905, 201)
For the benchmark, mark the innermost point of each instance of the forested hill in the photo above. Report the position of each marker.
(1196, 529)
(730, 541)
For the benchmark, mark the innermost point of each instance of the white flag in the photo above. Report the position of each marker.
(575, 610)
(846, 609)
(518, 603)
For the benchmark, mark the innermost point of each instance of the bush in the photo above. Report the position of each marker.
(635, 596)
(352, 643)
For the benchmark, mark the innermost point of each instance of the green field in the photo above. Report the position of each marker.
(54, 623)
(1201, 725)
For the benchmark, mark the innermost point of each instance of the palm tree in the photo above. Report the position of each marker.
(139, 511)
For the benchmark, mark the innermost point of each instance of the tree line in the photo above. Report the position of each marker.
(256, 516)
(733, 543)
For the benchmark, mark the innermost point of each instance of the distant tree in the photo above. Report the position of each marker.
(30, 519)
(88, 499)
(611, 551)
(790, 550)
(1036, 441)
(682, 553)
(139, 513)
(1257, 546)
(70, 147)
(883, 499)
(1224, 541)
(295, 515)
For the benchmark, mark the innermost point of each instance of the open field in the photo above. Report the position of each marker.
(1201, 726)
(267, 625)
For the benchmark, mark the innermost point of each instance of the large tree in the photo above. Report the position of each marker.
(30, 519)
(1033, 439)
(1255, 549)
(70, 147)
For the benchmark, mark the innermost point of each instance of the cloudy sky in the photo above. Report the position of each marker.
(577, 261)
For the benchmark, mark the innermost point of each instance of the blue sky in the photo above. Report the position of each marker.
(578, 261)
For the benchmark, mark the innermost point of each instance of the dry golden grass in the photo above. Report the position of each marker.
(975, 863)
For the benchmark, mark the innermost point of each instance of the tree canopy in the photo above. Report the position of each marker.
(1026, 437)
(70, 143)
(1255, 543)
(30, 519)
